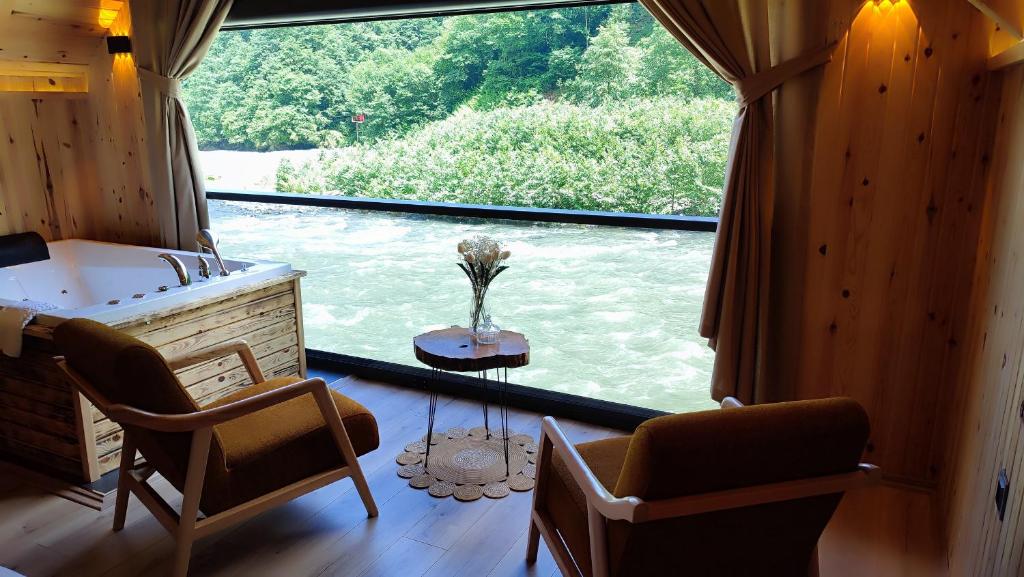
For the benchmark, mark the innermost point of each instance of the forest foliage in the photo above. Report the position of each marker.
(594, 107)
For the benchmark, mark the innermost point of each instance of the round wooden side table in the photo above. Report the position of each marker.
(455, 350)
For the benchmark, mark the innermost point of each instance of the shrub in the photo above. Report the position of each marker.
(665, 155)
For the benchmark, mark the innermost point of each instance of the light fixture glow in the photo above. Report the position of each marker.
(107, 17)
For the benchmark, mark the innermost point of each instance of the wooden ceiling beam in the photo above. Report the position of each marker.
(988, 8)
(1009, 57)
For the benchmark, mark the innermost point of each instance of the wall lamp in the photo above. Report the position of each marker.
(119, 44)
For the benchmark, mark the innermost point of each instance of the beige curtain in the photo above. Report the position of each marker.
(170, 38)
(732, 37)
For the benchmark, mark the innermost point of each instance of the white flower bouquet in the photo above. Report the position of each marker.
(481, 258)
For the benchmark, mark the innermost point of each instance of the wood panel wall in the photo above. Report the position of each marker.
(990, 430)
(878, 254)
(45, 147)
(73, 165)
(123, 207)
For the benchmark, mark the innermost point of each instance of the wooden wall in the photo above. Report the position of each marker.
(989, 433)
(122, 206)
(44, 146)
(72, 165)
(878, 254)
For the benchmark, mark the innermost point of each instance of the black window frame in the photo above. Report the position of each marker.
(594, 411)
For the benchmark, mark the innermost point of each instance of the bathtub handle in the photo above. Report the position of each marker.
(179, 268)
(204, 267)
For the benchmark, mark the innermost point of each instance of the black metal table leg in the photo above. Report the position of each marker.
(487, 426)
(431, 411)
(504, 416)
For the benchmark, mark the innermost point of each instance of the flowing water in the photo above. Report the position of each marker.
(611, 313)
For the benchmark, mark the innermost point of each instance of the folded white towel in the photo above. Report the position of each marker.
(13, 319)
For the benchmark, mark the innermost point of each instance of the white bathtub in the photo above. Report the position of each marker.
(113, 282)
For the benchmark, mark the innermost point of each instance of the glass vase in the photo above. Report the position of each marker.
(487, 332)
(483, 329)
(477, 312)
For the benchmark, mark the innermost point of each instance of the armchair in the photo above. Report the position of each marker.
(232, 459)
(737, 491)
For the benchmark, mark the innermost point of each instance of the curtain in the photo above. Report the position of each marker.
(732, 37)
(170, 38)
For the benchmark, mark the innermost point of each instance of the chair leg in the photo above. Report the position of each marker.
(123, 492)
(598, 542)
(540, 488)
(532, 543)
(191, 496)
(814, 569)
(364, 491)
(331, 416)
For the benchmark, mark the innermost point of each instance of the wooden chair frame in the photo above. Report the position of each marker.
(602, 506)
(187, 527)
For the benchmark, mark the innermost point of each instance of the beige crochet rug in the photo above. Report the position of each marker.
(467, 465)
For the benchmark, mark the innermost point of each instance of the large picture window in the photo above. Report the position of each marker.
(592, 108)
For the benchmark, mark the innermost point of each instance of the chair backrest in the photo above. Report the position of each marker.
(130, 372)
(688, 454)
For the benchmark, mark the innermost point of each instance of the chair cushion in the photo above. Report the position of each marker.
(279, 445)
(565, 501)
(247, 438)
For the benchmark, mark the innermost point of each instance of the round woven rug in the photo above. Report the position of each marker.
(468, 465)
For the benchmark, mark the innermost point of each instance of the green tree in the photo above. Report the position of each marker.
(666, 68)
(396, 90)
(608, 69)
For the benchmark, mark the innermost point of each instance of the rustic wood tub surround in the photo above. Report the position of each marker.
(45, 425)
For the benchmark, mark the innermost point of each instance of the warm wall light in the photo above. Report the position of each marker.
(885, 6)
(119, 44)
(107, 17)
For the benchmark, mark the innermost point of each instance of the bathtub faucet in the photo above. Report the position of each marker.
(208, 240)
(179, 267)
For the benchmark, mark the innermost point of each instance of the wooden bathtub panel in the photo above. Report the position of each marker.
(36, 401)
(192, 324)
(45, 462)
(35, 392)
(50, 412)
(152, 323)
(259, 349)
(33, 420)
(228, 332)
(57, 445)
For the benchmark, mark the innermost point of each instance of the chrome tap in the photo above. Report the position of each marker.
(204, 267)
(179, 267)
(208, 240)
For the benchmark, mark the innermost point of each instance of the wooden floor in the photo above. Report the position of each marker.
(881, 532)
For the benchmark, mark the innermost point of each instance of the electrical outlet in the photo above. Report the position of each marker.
(1002, 493)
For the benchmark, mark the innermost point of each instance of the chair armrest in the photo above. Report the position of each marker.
(239, 347)
(731, 403)
(864, 476)
(636, 510)
(217, 415)
(610, 506)
(204, 419)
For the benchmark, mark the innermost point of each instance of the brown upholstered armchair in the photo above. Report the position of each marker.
(232, 459)
(738, 491)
